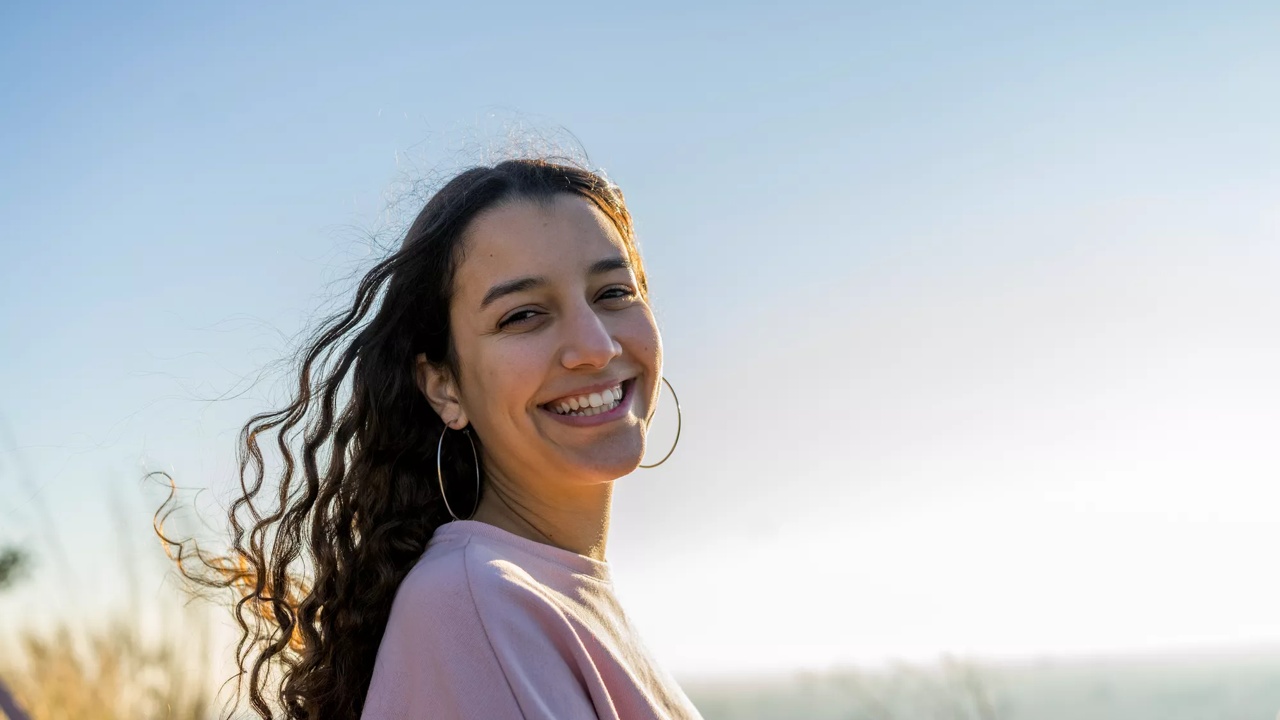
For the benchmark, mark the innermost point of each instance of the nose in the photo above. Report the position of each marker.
(587, 340)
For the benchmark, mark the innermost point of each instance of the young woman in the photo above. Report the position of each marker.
(460, 429)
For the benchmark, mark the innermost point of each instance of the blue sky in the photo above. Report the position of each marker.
(975, 301)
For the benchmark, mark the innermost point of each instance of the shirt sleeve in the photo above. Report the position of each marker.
(467, 639)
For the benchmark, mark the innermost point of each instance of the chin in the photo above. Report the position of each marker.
(610, 460)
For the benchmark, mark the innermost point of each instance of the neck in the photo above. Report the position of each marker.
(577, 519)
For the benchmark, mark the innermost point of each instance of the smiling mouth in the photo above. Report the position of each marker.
(592, 403)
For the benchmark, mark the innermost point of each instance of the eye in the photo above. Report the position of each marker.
(617, 292)
(518, 317)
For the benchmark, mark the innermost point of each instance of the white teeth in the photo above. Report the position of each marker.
(589, 411)
(588, 405)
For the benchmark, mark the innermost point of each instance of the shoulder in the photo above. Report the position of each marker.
(469, 581)
(470, 623)
(467, 604)
(436, 657)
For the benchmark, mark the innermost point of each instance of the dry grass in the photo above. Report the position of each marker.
(111, 673)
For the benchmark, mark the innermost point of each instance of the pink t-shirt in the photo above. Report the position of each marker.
(489, 625)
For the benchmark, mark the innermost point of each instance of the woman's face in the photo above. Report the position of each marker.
(559, 356)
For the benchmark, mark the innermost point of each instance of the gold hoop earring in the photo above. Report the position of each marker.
(440, 474)
(679, 422)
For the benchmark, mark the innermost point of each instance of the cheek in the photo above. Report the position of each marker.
(649, 341)
(509, 377)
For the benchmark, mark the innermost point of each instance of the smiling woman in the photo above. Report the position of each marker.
(455, 509)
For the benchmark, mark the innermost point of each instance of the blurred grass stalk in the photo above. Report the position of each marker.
(143, 663)
(113, 672)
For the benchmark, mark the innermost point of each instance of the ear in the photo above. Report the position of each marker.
(441, 390)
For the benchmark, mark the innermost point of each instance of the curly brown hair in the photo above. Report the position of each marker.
(317, 556)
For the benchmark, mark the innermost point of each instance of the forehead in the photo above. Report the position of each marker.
(534, 238)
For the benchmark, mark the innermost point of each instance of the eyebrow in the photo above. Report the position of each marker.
(510, 287)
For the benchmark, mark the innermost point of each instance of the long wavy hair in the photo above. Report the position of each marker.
(317, 555)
